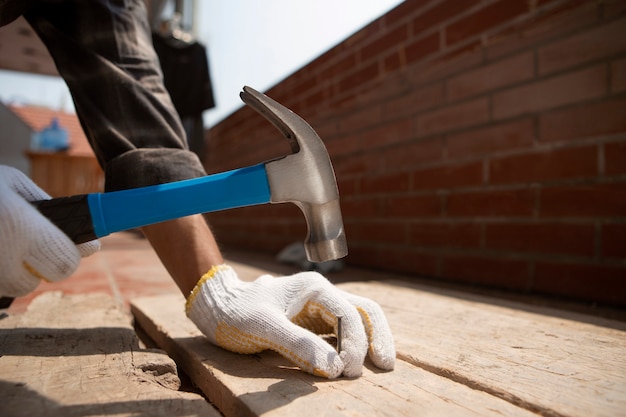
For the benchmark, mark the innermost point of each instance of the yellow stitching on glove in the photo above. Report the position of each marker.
(209, 275)
(315, 318)
(235, 340)
(369, 327)
(33, 271)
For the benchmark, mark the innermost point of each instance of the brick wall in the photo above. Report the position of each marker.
(476, 141)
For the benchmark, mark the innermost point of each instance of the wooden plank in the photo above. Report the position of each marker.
(266, 384)
(79, 356)
(549, 361)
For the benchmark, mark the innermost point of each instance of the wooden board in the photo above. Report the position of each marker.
(79, 356)
(549, 361)
(267, 385)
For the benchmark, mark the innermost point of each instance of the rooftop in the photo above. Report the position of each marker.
(37, 118)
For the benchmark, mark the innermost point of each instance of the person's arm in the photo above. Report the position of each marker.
(186, 247)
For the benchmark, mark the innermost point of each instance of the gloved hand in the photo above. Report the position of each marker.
(33, 249)
(285, 315)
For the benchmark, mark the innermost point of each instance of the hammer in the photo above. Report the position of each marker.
(305, 178)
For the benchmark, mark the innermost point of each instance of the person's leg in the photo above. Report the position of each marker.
(103, 51)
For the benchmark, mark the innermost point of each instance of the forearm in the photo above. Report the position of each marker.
(186, 248)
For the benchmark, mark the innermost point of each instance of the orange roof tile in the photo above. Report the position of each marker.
(37, 118)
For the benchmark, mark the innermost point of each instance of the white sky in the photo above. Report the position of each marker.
(250, 42)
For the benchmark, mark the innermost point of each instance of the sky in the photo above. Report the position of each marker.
(249, 42)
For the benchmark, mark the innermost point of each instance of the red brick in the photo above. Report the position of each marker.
(607, 117)
(389, 133)
(377, 231)
(545, 166)
(358, 78)
(439, 13)
(448, 176)
(410, 155)
(552, 238)
(326, 129)
(347, 186)
(354, 164)
(344, 145)
(557, 91)
(613, 8)
(338, 68)
(305, 84)
(562, 20)
(615, 158)
(422, 205)
(446, 64)
(494, 203)
(385, 183)
(401, 12)
(421, 48)
(352, 208)
(385, 42)
(493, 138)
(489, 77)
(362, 255)
(362, 36)
(544, 2)
(416, 101)
(618, 76)
(451, 235)
(614, 240)
(312, 101)
(408, 260)
(360, 119)
(588, 46)
(500, 272)
(593, 200)
(600, 283)
(395, 259)
(392, 61)
(484, 19)
(453, 117)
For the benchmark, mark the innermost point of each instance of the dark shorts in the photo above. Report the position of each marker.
(103, 50)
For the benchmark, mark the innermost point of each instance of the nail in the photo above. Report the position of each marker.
(339, 333)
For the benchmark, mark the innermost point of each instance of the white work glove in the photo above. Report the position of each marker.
(286, 315)
(33, 249)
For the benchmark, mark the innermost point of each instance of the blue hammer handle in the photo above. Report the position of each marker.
(89, 216)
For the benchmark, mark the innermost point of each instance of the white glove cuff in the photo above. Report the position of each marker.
(201, 307)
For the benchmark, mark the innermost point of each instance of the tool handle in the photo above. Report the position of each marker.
(71, 215)
(89, 216)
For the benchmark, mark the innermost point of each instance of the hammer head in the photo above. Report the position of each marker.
(304, 178)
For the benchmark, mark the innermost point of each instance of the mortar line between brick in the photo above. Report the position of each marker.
(598, 240)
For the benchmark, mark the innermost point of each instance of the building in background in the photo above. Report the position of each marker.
(59, 173)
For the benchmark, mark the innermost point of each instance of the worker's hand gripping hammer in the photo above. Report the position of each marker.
(305, 178)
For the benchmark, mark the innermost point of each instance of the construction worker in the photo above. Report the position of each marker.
(103, 51)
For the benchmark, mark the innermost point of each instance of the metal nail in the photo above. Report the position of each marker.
(339, 333)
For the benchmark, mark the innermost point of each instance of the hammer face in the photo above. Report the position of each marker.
(310, 184)
(326, 239)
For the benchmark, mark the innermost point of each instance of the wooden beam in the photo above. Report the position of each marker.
(549, 361)
(268, 385)
(79, 356)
